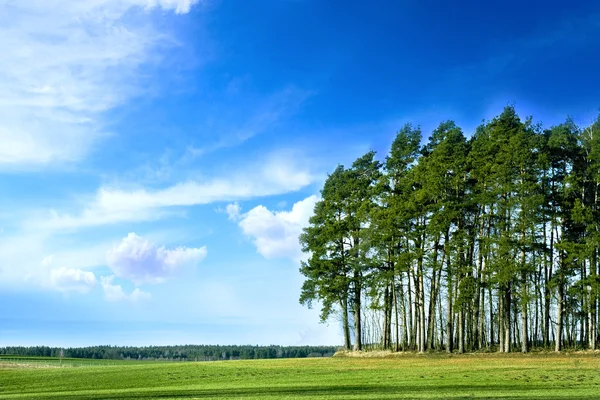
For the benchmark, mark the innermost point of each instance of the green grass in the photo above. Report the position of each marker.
(413, 376)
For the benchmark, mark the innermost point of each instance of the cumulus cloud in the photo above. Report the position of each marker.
(275, 233)
(65, 62)
(141, 261)
(114, 293)
(111, 205)
(72, 280)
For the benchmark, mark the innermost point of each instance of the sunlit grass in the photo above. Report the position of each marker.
(414, 376)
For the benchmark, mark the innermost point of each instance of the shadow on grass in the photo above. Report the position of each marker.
(331, 391)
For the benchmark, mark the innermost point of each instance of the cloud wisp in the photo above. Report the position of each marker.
(113, 205)
(66, 280)
(115, 293)
(241, 126)
(64, 63)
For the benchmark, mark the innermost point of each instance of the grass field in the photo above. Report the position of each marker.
(42, 362)
(410, 376)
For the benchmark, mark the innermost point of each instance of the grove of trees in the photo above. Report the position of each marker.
(463, 244)
(173, 353)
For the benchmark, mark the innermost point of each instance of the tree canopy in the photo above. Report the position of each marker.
(460, 244)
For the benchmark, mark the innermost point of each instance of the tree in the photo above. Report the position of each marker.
(390, 217)
(328, 268)
(463, 244)
(359, 203)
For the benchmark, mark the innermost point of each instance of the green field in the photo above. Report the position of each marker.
(42, 362)
(409, 376)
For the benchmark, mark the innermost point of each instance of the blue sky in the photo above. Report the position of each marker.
(158, 158)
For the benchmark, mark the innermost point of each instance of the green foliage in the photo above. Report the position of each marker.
(178, 353)
(512, 213)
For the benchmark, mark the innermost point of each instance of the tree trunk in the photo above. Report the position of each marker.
(397, 344)
(492, 338)
(357, 313)
(524, 315)
(500, 318)
(449, 317)
(507, 319)
(524, 330)
(346, 324)
(548, 267)
(435, 284)
(385, 340)
(559, 318)
(461, 331)
(405, 318)
(592, 330)
(411, 315)
(482, 333)
(421, 309)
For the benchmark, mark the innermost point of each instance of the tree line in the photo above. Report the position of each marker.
(174, 353)
(462, 244)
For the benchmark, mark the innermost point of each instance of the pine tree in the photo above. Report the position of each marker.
(463, 244)
(328, 269)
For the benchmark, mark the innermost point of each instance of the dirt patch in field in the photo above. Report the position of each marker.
(12, 365)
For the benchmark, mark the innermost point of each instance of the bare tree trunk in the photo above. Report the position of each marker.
(461, 331)
(435, 284)
(491, 300)
(524, 330)
(386, 320)
(559, 318)
(442, 322)
(507, 321)
(537, 305)
(501, 321)
(411, 315)
(449, 317)
(524, 315)
(584, 319)
(405, 318)
(357, 314)
(481, 322)
(548, 267)
(593, 326)
(397, 344)
(421, 309)
(477, 306)
(346, 324)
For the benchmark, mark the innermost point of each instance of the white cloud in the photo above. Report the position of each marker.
(141, 261)
(139, 295)
(111, 205)
(233, 210)
(65, 62)
(47, 261)
(180, 6)
(275, 233)
(114, 293)
(72, 280)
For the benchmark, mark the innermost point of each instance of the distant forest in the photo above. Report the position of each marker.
(173, 353)
(486, 243)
